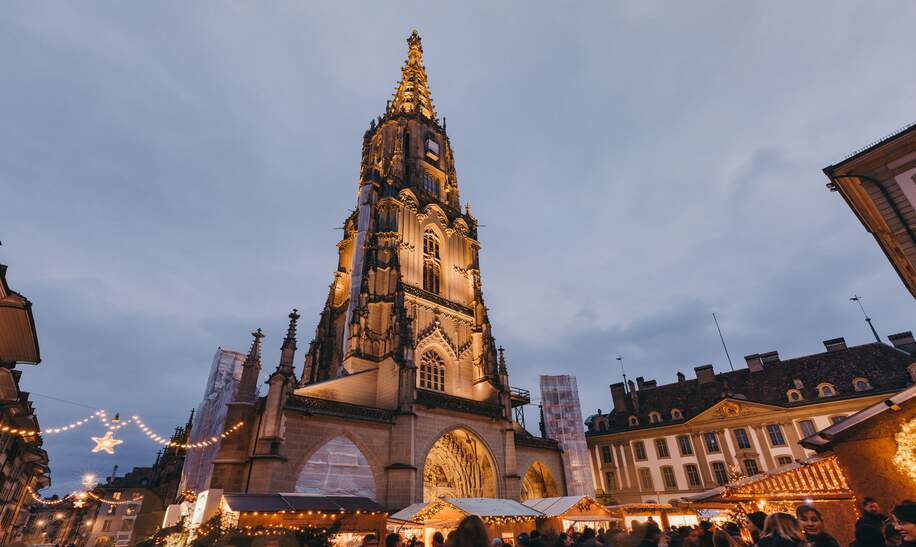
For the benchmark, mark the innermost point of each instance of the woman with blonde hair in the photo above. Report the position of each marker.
(782, 530)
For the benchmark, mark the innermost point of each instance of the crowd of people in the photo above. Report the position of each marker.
(806, 528)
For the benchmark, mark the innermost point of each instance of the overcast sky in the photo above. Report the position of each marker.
(172, 175)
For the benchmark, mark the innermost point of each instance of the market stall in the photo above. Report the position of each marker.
(817, 481)
(559, 514)
(503, 518)
(349, 518)
(663, 514)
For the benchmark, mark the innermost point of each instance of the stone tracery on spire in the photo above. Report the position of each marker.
(412, 93)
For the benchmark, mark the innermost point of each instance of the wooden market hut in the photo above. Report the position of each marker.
(817, 481)
(352, 517)
(503, 518)
(558, 514)
(876, 447)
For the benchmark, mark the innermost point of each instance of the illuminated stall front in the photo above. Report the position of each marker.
(503, 518)
(662, 513)
(349, 517)
(559, 514)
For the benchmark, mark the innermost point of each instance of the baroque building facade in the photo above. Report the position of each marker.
(662, 443)
(403, 394)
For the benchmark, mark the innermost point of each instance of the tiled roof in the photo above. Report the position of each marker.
(883, 366)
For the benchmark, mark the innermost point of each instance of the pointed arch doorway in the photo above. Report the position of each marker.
(459, 465)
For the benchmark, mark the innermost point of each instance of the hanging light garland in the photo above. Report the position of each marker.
(168, 442)
(107, 442)
(23, 432)
(77, 497)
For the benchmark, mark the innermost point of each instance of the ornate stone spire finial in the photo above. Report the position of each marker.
(288, 349)
(290, 340)
(502, 361)
(251, 369)
(412, 94)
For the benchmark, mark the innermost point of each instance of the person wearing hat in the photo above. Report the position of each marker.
(754, 524)
(905, 522)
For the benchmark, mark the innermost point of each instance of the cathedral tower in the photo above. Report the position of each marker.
(409, 256)
(403, 396)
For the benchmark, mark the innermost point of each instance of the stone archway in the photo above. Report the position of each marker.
(338, 468)
(538, 483)
(459, 466)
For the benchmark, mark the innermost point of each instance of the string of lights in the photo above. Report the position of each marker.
(76, 496)
(24, 432)
(168, 442)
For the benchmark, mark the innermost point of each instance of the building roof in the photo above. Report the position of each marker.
(482, 507)
(291, 502)
(18, 338)
(820, 473)
(884, 367)
(556, 506)
(877, 144)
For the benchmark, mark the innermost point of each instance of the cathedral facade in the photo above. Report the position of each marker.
(403, 394)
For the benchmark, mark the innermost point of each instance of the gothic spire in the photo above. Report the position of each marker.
(251, 368)
(412, 94)
(288, 349)
(502, 361)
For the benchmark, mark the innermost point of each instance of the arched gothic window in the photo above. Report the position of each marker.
(432, 266)
(432, 371)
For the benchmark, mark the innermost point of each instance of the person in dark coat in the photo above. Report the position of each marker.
(905, 522)
(869, 525)
(813, 525)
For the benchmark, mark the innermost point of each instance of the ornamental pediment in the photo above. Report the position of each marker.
(732, 408)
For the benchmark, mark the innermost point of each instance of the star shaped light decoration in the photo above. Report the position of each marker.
(106, 443)
(79, 504)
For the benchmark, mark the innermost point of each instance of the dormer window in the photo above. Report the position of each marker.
(826, 390)
(634, 420)
(602, 426)
(794, 395)
(654, 417)
(676, 414)
(861, 384)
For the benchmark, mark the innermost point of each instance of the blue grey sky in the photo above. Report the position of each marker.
(172, 175)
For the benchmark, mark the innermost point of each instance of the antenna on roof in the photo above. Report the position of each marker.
(619, 358)
(727, 356)
(858, 300)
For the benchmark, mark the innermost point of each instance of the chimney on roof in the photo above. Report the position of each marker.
(754, 364)
(769, 357)
(649, 384)
(640, 382)
(835, 344)
(619, 396)
(705, 374)
(681, 377)
(904, 341)
(634, 397)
